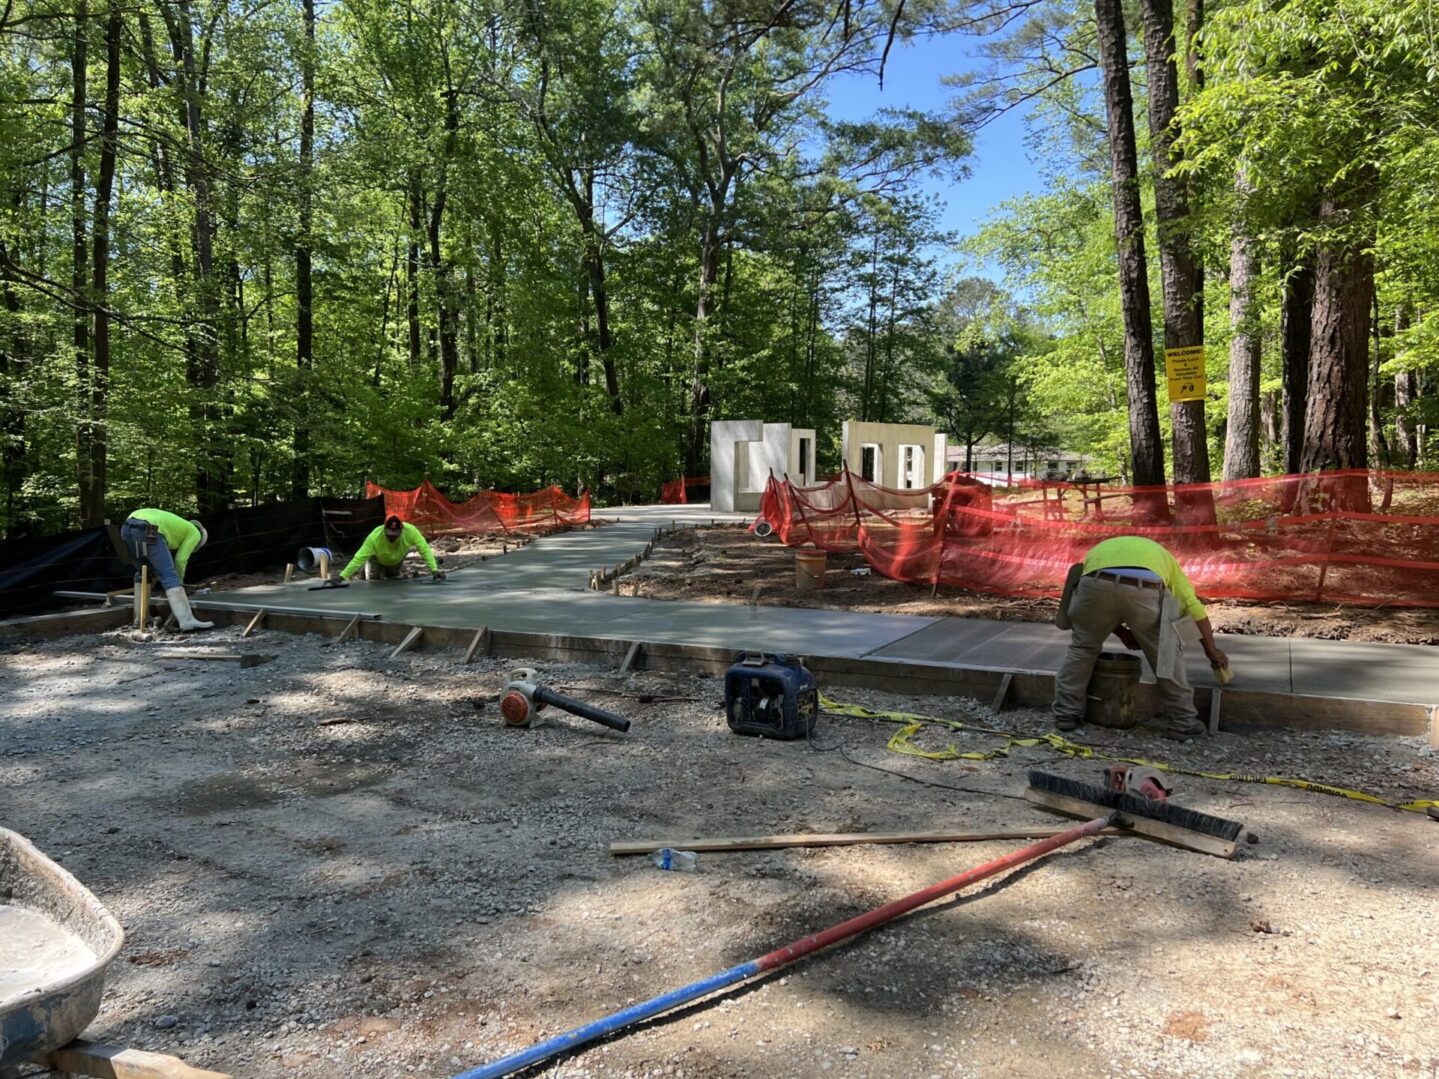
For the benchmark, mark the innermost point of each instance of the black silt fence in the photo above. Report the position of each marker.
(245, 540)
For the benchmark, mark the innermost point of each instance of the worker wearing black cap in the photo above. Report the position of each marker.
(386, 547)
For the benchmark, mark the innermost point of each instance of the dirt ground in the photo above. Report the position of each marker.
(341, 864)
(726, 564)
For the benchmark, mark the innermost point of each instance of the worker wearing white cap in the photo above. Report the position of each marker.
(165, 542)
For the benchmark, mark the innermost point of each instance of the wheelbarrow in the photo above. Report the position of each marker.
(55, 942)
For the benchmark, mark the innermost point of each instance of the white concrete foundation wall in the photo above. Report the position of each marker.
(890, 438)
(730, 460)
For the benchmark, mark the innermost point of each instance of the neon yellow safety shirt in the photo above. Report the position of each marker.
(378, 545)
(181, 536)
(1144, 553)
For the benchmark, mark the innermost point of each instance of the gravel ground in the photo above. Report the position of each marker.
(339, 864)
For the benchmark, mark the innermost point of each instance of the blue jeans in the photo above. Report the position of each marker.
(159, 558)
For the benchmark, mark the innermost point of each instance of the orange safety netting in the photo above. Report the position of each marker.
(1367, 538)
(488, 511)
(677, 491)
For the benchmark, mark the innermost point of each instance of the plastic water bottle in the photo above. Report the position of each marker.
(682, 861)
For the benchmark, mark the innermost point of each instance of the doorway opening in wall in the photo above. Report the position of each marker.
(911, 467)
(869, 462)
(804, 471)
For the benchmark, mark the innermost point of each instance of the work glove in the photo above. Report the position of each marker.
(438, 575)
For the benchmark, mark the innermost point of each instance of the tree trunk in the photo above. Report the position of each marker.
(93, 512)
(1181, 274)
(699, 395)
(1241, 444)
(1271, 437)
(1334, 419)
(14, 363)
(213, 458)
(1144, 440)
(595, 266)
(304, 283)
(1406, 393)
(1378, 444)
(1296, 325)
(412, 270)
(444, 271)
(80, 261)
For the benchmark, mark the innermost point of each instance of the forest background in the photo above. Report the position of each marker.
(254, 249)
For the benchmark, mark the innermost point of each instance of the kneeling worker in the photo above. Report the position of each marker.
(1132, 587)
(385, 548)
(165, 543)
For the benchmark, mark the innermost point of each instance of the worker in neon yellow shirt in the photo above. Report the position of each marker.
(1133, 587)
(165, 542)
(386, 547)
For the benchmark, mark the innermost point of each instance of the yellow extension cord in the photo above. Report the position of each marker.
(902, 741)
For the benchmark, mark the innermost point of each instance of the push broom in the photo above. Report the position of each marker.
(1114, 807)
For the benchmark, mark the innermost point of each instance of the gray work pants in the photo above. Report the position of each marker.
(1097, 607)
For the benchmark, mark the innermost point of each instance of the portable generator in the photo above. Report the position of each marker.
(771, 695)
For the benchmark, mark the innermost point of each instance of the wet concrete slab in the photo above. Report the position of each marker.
(542, 588)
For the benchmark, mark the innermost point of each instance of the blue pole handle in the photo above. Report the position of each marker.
(600, 1027)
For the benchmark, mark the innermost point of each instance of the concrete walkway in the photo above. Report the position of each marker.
(543, 588)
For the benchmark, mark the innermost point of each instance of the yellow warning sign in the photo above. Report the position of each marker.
(1184, 367)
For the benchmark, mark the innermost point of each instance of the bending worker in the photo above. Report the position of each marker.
(1132, 587)
(165, 543)
(385, 549)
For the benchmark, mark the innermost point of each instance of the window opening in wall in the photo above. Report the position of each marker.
(869, 462)
(804, 457)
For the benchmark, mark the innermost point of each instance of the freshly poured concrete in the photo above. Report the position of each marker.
(542, 588)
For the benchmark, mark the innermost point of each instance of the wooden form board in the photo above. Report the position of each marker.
(109, 1062)
(1027, 687)
(837, 839)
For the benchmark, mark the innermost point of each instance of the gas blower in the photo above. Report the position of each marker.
(522, 700)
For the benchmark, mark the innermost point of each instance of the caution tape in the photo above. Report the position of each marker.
(902, 741)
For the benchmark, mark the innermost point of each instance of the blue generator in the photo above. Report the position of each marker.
(770, 695)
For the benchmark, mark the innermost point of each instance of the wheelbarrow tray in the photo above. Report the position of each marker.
(55, 942)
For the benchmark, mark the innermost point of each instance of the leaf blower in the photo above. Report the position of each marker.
(522, 699)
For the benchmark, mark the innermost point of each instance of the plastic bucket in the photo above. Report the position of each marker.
(1109, 701)
(309, 558)
(809, 570)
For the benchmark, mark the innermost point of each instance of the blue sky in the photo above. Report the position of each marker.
(1000, 167)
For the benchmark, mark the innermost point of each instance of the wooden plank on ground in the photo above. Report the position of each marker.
(110, 1062)
(1167, 833)
(244, 659)
(481, 640)
(409, 642)
(837, 839)
(254, 622)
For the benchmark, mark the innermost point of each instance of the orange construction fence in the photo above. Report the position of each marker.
(678, 491)
(427, 509)
(1359, 537)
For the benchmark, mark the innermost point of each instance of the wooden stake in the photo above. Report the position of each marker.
(352, 626)
(839, 839)
(630, 656)
(1214, 698)
(289, 572)
(408, 642)
(482, 639)
(142, 598)
(110, 1062)
(1000, 694)
(259, 616)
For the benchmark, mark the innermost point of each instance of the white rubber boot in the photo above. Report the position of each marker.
(180, 608)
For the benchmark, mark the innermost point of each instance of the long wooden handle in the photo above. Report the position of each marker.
(838, 839)
(110, 1062)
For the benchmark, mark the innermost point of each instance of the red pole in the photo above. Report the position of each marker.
(835, 933)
